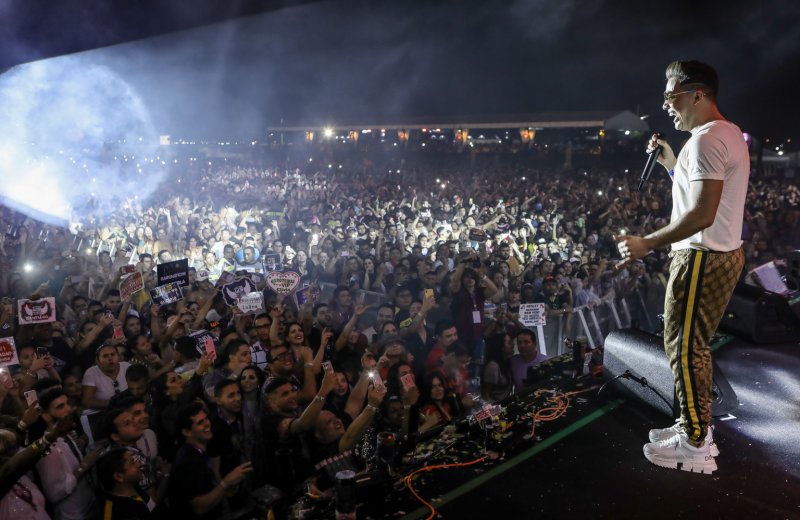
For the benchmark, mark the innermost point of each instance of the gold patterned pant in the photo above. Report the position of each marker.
(700, 285)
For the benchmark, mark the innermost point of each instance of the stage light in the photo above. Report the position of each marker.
(27, 267)
(328, 132)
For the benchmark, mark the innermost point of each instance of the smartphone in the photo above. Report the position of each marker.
(5, 378)
(42, 352)
(429, 293)
(327, 366)
(408, 381)
(118, 333)
(376, 379)
(210, 348)
(31, 397)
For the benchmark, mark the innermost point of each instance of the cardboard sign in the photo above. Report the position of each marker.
(130, 285)
(531, 314)
(225, 277)
(251, 303)
(8, 352)
(204, 342)
(173, 272)
(166, 294)
(309, 292)
(272, 262)
(42, 310)
(233, 291)
(283, 283)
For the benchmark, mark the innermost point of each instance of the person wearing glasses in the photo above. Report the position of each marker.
(709, 186)
(104, 379)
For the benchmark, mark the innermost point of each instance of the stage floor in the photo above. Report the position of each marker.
(594, 468)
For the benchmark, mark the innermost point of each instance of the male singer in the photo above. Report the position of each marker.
(709, 185)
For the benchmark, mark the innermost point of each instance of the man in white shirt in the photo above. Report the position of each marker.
(63, 470)
(709, 186)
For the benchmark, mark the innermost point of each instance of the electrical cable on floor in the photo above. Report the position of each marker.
(407, 479)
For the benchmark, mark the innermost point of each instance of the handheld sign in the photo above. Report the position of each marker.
(532, 314)
(272, 262)
(166, 294)
(283, 283)
(251, 303)
(8, 352)
(130, 285)
(42, 310)
(232, 292)
(173, 272)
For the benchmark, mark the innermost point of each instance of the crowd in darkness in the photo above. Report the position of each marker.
(448, 252)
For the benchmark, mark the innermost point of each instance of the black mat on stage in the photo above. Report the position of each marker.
(598, 471)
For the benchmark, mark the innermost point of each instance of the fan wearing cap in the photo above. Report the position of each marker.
(555, 303)
(105, 378)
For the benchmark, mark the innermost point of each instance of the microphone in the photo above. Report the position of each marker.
(652, 159)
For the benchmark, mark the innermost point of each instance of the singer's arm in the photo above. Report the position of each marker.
(705, 195)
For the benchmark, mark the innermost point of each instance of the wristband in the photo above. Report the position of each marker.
(309, 364)
(21, 426)
(320, 398)
(672, 173)
(371, 408)
(222, 484)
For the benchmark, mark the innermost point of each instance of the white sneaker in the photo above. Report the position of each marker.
(663, 434)
(677, 453)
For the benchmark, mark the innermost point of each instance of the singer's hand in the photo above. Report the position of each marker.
(667, 158)
(631, 248)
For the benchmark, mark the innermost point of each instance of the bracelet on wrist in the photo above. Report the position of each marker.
(371, 408)
(222, 484)
(672, 173)
(22, 426)
(320, 398)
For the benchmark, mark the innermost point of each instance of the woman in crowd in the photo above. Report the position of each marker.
(434, 399)
(497, 383)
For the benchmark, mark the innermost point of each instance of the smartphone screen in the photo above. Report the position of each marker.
(31, 397)
(408, 381)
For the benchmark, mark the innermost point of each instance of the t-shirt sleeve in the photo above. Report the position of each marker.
(706, 158)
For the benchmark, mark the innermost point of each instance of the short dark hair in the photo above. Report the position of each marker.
(275, 383)
(527, 332)
(316, 308)
(111, 415)
(222, 385)
(441, 326)
(47, 397)
(693, 72)
(113, 461)
(183, 418)
(136, 373)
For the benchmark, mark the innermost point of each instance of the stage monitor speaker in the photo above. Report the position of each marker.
(760, 316)
(642, 354)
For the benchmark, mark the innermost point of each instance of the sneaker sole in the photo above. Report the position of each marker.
(704, 468)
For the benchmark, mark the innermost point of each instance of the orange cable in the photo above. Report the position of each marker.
(407, 479)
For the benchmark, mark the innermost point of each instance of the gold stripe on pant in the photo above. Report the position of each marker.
(700, 285)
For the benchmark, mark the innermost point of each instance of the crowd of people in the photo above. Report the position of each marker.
(115, 410)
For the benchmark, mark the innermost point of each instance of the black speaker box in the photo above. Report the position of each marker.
(642, 354)
(793, 275)
(760, 316)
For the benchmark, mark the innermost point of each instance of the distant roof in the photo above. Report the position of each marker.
(610, 119)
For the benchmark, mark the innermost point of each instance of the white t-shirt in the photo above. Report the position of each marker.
(104, 384)
(716, 150)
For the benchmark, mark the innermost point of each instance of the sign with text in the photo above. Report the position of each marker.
(166, 294)
(173, 272)
(130, 285)
(272, 262)
(232, 292)
(251, 303)
(532, 314)
(283, 283)
(204, 343)
(42, 310)
(8, 352)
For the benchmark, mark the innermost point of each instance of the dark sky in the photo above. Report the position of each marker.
(366, 60)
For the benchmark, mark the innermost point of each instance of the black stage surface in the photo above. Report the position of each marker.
(589, 463)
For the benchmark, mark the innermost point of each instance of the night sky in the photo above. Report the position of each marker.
(370, 61)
